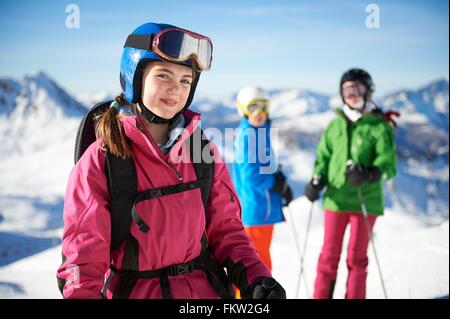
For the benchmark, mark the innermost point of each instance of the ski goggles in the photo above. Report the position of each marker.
(176, 45)
(260, 106)
(358, 89)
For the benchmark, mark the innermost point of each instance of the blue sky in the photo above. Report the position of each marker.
(274, 44)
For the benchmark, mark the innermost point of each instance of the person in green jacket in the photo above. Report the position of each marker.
(356, 150)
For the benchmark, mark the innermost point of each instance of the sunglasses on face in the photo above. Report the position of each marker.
(252, 108)
(259, 105)
(354, 90)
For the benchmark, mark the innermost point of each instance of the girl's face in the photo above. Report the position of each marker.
(166, 87)
(257, 119)
(356, 100)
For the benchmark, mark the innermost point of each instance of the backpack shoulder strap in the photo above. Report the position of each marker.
(120, 175)
(86, 130)
(203, 162)
(122, 187)
(204, 168)
(388, 115)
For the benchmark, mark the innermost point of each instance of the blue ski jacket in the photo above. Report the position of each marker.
(253, 175)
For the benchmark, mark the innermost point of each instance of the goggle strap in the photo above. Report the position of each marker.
(258, 101)
(139, 41)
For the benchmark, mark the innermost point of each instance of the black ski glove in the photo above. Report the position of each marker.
(282, 187)
(287, 195)
(267, 288)
(357, 174)
(314, 187)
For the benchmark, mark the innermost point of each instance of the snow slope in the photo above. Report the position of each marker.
(38, 121)
(414, 260)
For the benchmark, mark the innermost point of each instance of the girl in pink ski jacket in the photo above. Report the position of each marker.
(176, 246)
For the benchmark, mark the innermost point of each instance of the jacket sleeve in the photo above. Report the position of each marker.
(323, 155)
(226, 234)
(249, 166)
(86, 237)
(385, 152)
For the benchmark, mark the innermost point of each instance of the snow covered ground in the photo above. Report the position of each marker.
(414, 260)
(413, 257)
(412, 238)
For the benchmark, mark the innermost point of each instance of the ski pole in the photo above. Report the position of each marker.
(369, 231)
(302, 258)
(294, 230)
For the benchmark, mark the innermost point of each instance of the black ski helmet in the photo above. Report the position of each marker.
(359, 75)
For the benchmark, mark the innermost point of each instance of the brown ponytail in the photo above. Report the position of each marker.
(111, 131)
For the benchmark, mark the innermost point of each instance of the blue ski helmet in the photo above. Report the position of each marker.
(135, 57)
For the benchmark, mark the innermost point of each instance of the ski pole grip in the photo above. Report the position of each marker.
(350, 163)
(269, 283)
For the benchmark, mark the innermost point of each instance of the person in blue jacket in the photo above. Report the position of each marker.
(260, 184)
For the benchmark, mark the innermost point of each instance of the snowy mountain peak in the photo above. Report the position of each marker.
(436, 93)
(440, 85)
(428, 104)
(39, 76)
(39, 94)
(296, 102)
(35, 103)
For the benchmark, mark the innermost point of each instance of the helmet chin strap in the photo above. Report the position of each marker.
(153, 118)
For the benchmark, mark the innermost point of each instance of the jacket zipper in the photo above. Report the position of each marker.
(268, 204)
(180, 178)
(153, 142)
(349, 139)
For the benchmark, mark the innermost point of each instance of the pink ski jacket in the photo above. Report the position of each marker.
(177, 222)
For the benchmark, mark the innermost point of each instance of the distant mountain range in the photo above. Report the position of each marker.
(36, 112)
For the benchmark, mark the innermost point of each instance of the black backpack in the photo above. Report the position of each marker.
(122, 187)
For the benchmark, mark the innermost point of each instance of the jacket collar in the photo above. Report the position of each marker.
(135, 131)
(246, 124)
(369, 116)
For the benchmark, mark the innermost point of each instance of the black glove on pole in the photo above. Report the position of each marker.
(267, 288)
(314, 187)
(282, 187)
(357, 174)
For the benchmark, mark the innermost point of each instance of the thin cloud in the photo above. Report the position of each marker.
(270, 10)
